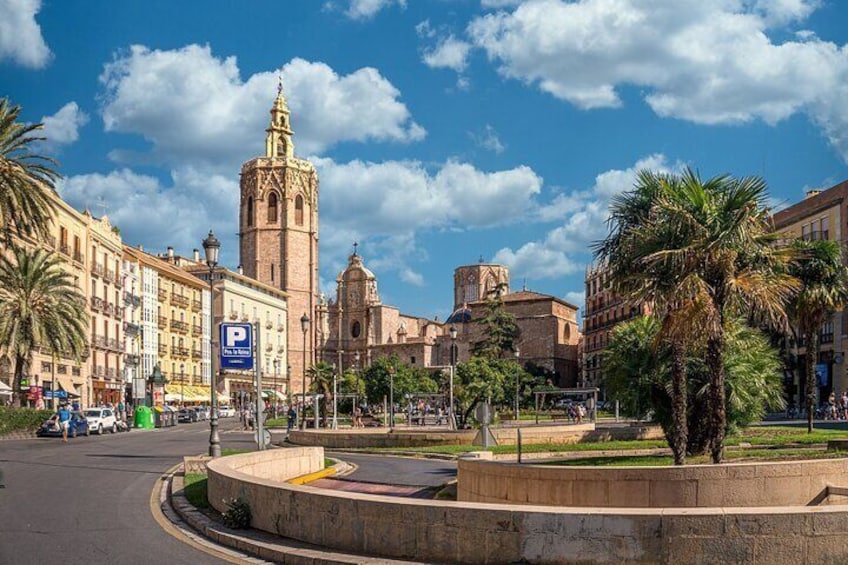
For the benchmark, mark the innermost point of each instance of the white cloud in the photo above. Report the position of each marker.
(488, 139)
(449, 53)
(63, 126)
(576, 298)
(706, 62)
(20, 35)
(499, 3)
(194, 107)
(367, 9)
(582, 216)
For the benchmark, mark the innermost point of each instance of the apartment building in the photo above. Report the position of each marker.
(134, 379)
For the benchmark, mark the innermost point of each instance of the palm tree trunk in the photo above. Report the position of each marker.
(718, 409)
(680, 428)
(20, 363)
(812, 355)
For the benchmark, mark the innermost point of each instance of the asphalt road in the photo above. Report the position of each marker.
(88, 501)
(404, 471)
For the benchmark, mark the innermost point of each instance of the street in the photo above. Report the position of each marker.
(88, 501)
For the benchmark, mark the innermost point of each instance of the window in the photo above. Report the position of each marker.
(355, 329)
(250, 211)
(805, 232)
(272, 208)
(272, 272)
(412, 360)
(298, 210)
(824, 228)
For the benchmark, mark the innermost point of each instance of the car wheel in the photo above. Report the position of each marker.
(100, 430)
(114, 429)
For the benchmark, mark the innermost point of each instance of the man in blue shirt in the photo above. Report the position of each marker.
(64, 421)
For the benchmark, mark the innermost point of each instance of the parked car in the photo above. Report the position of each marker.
(200, 411)
(226, 412)
(101, 419)
(186, 416)
(77, 427)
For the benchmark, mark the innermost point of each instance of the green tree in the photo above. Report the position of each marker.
(39, 308)
(500, 331)
(321, 381)
(714, 240)
(26, 178)
(406, 379)
(482, 379)
(823, 291)
(638, 375)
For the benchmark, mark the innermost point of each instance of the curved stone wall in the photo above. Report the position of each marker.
(784, 483)
(471, 533)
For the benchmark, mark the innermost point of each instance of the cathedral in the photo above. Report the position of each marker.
(278, 246)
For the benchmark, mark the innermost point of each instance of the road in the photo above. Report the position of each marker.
(403, 471)
(88, 501)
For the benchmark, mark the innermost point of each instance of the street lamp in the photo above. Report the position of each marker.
(288, 386)
(335, 404)
(391, 397)
(211, 246)
(356, 392)
(452, 419)
(517, 385)
(304, 325)
(276, 376)
(182, 383)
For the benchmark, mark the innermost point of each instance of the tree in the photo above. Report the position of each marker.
(638, 375)
(823, 291)
(321, 382)
(406, 380)
(26, 178)
(39, 308)
(482, 379)
(500, 331)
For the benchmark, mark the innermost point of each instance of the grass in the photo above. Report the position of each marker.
(195, 491)
(230, 451)
(748, 455)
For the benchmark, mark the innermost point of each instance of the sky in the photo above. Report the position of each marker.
(443, 131)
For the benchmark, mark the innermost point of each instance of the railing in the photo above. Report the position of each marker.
(131, 329)
(50, 241)
(196, 305)
(78, 257)
(62, 369)
(179, 351)
(114, 344)
(99, 372)
(163, 322)
(99, 341)
(196, 329)
(96, 303)
(111, 372)
(163, 294)
(179, 300)
(108, 308)
(131, 360)
(110, 276)
(131, 299)
(97, 269)
(196, 353)
(64, 249)
(179, 326)
(815, 235)
(163, 349)
(119, 312)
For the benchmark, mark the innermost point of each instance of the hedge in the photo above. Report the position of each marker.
(21, 419)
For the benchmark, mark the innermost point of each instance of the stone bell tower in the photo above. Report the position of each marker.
(278, 232)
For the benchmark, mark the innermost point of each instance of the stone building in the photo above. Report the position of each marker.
(821, 215)
(278, 232)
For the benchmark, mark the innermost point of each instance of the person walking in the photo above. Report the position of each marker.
(291, 418)
(64, 421)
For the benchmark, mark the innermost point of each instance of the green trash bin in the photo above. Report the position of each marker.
(144, 418)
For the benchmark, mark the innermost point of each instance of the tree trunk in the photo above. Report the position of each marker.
(20, 363)
(812, 355)
(680, 429)
(718, 409)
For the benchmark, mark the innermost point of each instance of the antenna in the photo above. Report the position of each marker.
(355, 245)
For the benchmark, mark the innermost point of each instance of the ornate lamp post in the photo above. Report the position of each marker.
(517, 384)
(288, 386)
(211, 246)
(391, 398)
(182, 384)
(453, 352)
(304, 325)
(356, 392)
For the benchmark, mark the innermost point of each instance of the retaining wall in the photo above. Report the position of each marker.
(466, 532)
(732, 484)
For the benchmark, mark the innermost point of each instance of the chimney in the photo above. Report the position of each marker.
(170, 252)
(240, 270)
(196, 255)
(140, 247)
(811, 193)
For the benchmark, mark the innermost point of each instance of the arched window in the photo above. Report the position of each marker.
(272, 272)
(298, 210)
(272, 208)
(355, 329)
(250, 211)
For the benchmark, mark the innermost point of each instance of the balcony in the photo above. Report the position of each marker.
(196, 353)
(163, 349)
(114, 344)
(111, 372)
(196, 329)
(64, 249)
(178, 300)
(99, 372)
(163, 294)
(179, 326)
(179, 351)
(110, 276)
(97, 303)
(78, 256)
(816, 235)
(131, 360)
(50, 242)
(196, 305)
(119, 312)
(162, 322)
(131, 300)
(108, 308)
(97, 269)
(233, 315)
(131, 329)
(99, 341)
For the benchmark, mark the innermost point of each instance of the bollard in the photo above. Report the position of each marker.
(519, 446)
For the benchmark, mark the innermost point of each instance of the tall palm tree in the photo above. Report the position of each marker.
(39, 308)
(728, 261)
(321, 381)
(26, 178)
(824, 290)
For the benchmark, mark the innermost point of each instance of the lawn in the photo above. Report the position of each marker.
(195, 491)
(738, 456)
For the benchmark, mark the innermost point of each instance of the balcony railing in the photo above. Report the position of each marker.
(163, 294)
(111, 372)
(131, 329)
(163, 349)
(119, 312)
(97, 269)
(815, 235)
(196, 353)
(99, 372)
(110, 276)
(50, 241)
(196, 305)
(131, 299)
(108, 308)
(64, 249)
(114, 344)
(179, 326)
(179, 351)
(163, 322)
(78, 256)
(179, 300)
(97, 303)
(131, 360)
(196, 329)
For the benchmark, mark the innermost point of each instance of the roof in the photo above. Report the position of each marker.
(164, 267)
(530, 296)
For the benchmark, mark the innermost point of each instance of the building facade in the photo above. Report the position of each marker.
(821, 215)
(278, 232)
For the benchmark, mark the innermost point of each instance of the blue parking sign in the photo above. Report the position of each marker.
(236, 350)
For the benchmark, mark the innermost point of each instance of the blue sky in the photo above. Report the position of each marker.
(443, 130)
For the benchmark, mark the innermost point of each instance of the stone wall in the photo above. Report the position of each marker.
(732, 484)
(462, 532)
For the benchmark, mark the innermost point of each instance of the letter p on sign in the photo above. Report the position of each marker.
(235, 335)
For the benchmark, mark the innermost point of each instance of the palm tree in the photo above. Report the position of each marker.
(727, 261)
(39, 308)
(26, 178)
(823, 291)
(321, 381)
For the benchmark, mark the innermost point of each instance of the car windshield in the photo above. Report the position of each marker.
(93, 413)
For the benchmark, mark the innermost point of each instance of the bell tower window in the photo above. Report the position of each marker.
(298, 210)
(272, 208)
(250, 211)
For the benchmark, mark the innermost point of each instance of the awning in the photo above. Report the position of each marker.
(67, 385)
(266, 393)
(5, 390)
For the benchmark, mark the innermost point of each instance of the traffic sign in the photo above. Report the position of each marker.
(266, 437)
(236, 351)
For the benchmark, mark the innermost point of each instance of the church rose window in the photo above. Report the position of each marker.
(355, 329)
(272, 208)
(298, 210)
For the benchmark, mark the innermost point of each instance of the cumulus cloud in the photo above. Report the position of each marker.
(20, 35)
(449, 53)
(705, 62)
(194, 107)
(367, 9)
(581, 216)
(63, 127)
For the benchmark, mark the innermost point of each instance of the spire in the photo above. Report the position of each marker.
(278, 142)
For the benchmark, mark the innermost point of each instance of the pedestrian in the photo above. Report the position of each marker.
(64, 421)
(291, 418)
(122, 411)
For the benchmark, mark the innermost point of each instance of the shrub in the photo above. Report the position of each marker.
(21, 419)
(237, 515)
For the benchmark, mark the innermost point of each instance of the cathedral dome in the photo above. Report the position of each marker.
(459, 316)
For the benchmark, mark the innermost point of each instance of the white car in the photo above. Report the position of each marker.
(226, 412)
(101, 419)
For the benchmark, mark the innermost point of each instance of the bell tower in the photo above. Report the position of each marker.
(278, 232)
